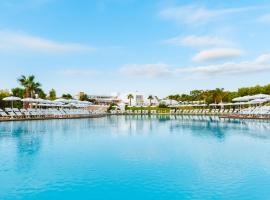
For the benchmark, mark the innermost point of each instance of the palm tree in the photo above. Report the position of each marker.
(130, 96)
(204, 95)
(150, 99)
(29, 84)
(218, 95)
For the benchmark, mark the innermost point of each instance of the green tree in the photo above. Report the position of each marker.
(29, 84)
(67, 96)
(266, 89)
(84, 97)
(3, 94)
(52, 94)
(18, 92)
(41, 94)
(130, 97)
(195, 95)
(218, 95)
(150, 98)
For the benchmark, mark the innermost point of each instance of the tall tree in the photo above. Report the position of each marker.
(150, 99)
(130, 97)
(41, 94)
(218, 95)
(29, 84)
(84, 97)
(52, 94)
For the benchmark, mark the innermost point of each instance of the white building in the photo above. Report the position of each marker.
(105, 99)
(138, 99)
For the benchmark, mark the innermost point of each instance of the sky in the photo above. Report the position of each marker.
(158, 47)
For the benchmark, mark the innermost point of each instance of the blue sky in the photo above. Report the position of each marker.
(156, 47)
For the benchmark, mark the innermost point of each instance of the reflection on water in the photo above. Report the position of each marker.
(29, 133)
(200, 125)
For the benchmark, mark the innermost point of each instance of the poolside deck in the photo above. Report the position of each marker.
(52, 118)
(245, 117)
(225, 116)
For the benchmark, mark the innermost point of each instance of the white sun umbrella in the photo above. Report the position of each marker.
(72, 101)
(48, 101)
(241, 103)
(251, 102)
(39, 100)
(267, 99)
(242, 99)
(59, 103)
(62, 100)
(12, 99)
(42, 104)
(28, 100)
(260, 96)
(222, 104)
(86, 102)
(258, 101)
(203, 105)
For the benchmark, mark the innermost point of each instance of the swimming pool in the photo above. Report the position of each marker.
(135, 157)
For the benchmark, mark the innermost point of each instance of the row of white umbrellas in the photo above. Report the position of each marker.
(255, 101)
(49, 103)
(260, 97)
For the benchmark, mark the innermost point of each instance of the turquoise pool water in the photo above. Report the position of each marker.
(134, 157)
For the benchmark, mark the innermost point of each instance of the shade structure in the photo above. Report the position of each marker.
(72, 101)
(222, 104)
(43, 104)
(193, 105)
(258, 101)
(241, 103)
(267, 99)
(229, 104)
(242, 99)
(40, 100)
(86, 102)
(48, 101)
(260, 96)
(28, 100)
(12, 99)
(62, 100)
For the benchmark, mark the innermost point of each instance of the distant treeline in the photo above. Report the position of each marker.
(219, 94)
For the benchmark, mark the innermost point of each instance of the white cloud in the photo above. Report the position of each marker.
(193, 14)
(263, 59)
(260, 64)
(19, 41)
(198, 41)
(149, 70)
(217, 54)
(265, 18)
